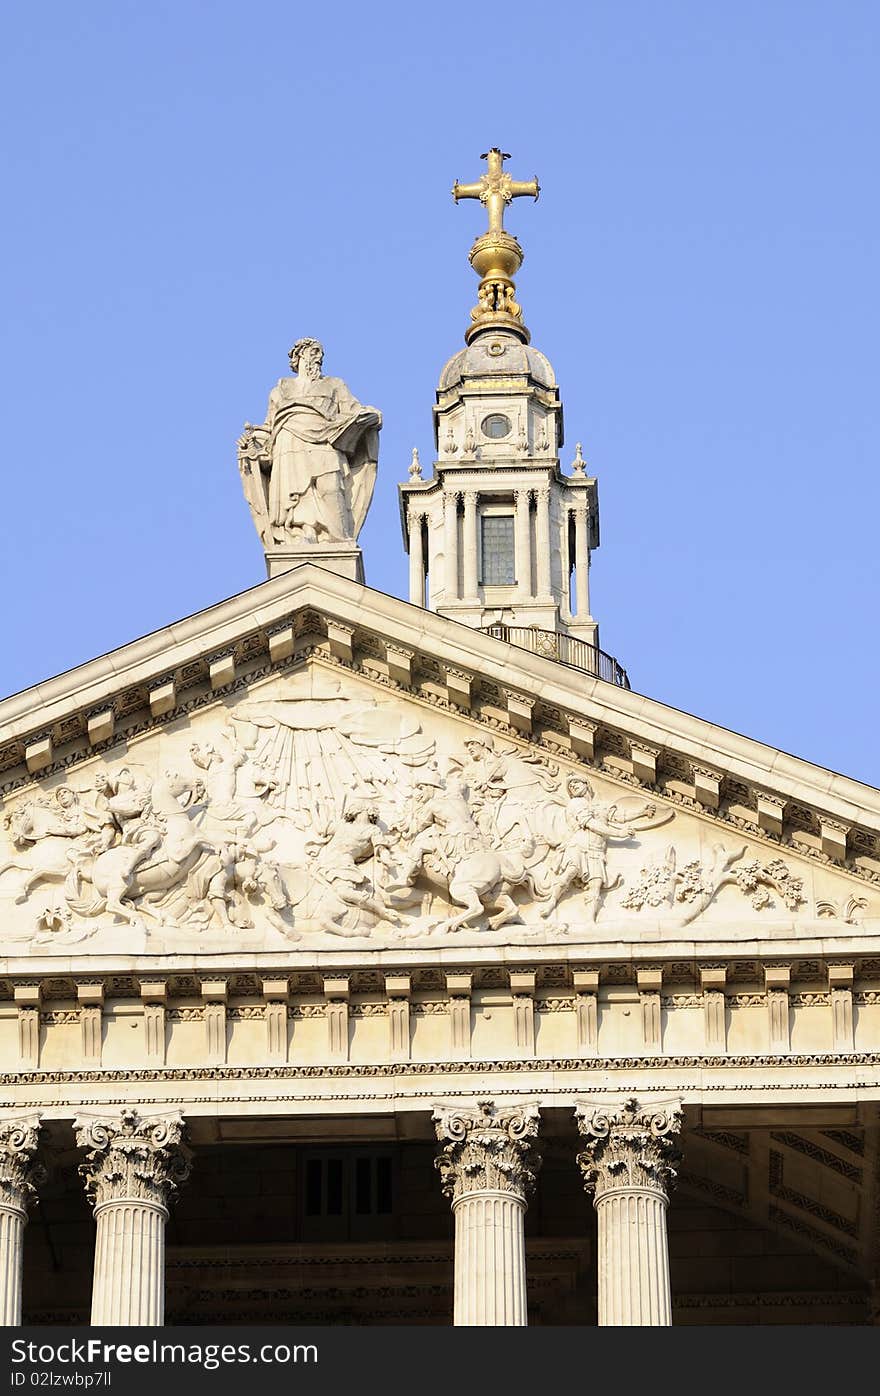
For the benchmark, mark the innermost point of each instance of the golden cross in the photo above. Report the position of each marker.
(496, 189)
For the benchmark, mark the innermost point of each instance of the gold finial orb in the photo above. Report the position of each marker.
(496, 256)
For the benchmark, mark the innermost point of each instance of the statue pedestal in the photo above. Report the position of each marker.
(343, 557)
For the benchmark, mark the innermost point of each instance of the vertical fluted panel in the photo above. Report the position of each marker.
(490, 1260)
(12, 1224)
(129, 1282)
(633, 1258)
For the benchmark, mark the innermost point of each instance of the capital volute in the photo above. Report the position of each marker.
(20, 1173)
(487, 1148)
(132, 1157)
(628, 1145)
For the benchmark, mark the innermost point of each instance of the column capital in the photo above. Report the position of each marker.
(487, 1148)
(628, 1145)
(132, 1157)
(20, 1174)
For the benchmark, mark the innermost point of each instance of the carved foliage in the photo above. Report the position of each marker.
(132, 1157)
(19, 1172)
(628, 1146)
(487, 1148)
(695, 885)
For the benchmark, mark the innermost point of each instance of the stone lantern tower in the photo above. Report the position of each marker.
(500, 538)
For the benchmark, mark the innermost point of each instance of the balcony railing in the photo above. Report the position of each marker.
(565, 649)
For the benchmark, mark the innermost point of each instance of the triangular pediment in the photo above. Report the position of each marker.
(313, 762)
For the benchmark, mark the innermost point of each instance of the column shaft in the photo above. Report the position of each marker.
(633, 1259)
(12, 1224)
(471, 546)
(129, 1280)
(582, 564)
(490, 1260)
(450, 539)
(523, 545)
(416, 561)
(542, 541)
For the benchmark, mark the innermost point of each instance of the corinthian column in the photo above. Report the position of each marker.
(19, 1175)
(133, 1169)
(488, 1165)
(628, 1163)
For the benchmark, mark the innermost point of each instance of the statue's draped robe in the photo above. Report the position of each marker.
(317, 428)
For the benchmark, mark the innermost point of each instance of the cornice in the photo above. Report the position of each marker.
(719, 775)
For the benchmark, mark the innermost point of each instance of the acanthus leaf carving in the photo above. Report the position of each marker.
(628, 1145)
(487, 1148)
(132, 1157)
(20, 1171)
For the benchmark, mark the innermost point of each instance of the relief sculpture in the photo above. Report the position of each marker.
(310, 813)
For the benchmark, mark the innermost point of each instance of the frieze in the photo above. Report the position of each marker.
(765, 1299)
(555, 1005)
(719, 1192)
(848, 1254)
(791, 1062)
(811, 1205)
(725, 1139)
(254, 647)
(854, 1142)
(818, 1154)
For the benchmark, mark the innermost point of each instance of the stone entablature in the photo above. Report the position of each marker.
(396, 1011)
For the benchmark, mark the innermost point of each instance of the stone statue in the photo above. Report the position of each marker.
(310, 469)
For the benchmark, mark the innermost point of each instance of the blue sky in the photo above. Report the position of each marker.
(191, 186)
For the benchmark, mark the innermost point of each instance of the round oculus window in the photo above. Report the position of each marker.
(496, 426)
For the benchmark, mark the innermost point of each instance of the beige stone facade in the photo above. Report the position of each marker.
(669, 930)
(393, 962)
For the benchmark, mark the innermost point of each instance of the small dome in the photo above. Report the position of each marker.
(497, 351)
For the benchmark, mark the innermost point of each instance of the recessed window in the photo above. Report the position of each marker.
(346, 1193)
(496, 426)
(497, 550)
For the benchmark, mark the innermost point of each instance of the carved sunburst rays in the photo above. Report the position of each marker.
(346, 752)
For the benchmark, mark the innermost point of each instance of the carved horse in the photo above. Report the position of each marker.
(47, 845)
(119, 875)
(479, 879)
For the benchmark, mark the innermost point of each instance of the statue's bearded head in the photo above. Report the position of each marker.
(307, 356)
